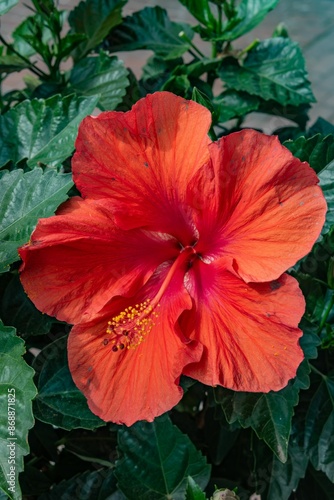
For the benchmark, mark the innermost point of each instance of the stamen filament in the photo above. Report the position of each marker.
(130, 327)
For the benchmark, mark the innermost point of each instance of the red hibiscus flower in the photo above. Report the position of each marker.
(172, 261)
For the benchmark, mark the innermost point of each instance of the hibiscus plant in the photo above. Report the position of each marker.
(166, 271)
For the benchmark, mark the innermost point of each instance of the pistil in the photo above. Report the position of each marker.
(129, 328)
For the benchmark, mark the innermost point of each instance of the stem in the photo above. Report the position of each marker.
(326, 314)
(323, 283)
(239, 122)
(214, 50)
(315, 370)
(1, 104)
(217, 45)
(212, 134)
(220, 18)
(195, 56)
(58, 42)
(251, 46)
(254, 459)
(32, 68)
(184, 37)
(34, 460)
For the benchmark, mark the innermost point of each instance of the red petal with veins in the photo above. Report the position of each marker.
(257, 205)
(248, 331)
(139, 383)
(142, 161)
(169, 217)
(78, 260)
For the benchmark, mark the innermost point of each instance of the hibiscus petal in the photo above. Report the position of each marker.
(138, 383)
(141, 161)
(257, 205)
(249, 331)
(78, 260)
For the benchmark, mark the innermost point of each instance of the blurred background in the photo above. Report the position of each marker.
(309, 22)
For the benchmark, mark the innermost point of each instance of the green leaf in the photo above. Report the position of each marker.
(318, 150)
(309, 341)
(132, 94)
(24, 198)
(151, 29)
(321, 126)
(315, 296)
(206, 101)
(182, 79)
(200, 9)
(97, 485)
(326, 177)
(16, 309)
(95, 19)
(6, 5)
(316, 262)
(16, 392)
(285, 477)
(198, 68)
(156, 460)
(103, 75)
(269, 414)
(297, 114)
(194, 492)
(316, 486)
(156, 72)
(69, 43)
(31, 36)
(249, 13)
(93, 446)
(231, 104)
(33, 481)
(220, 436)
(178, 84)
(280, 30)
(319, 437)
(274, 69)
(43, 131)
(202, 99)
(12, 63)
(156, 68)
(59, 402)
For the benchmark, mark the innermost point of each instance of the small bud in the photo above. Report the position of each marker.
(225, 494)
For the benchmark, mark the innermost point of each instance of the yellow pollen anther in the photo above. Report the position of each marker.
(130, 327)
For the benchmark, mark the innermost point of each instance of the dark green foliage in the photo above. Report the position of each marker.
(18, 310)
(248, 14)
(273, 69)
(98, 484)
(34, 194)
(317, 150)
(59, 402)
(17, 391)
(6, 5)
(103, 76)
(95, 19)
(43, 131)
(151, 29)
(156, 460)
(279, 445)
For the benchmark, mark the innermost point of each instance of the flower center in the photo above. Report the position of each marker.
(129, 328)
